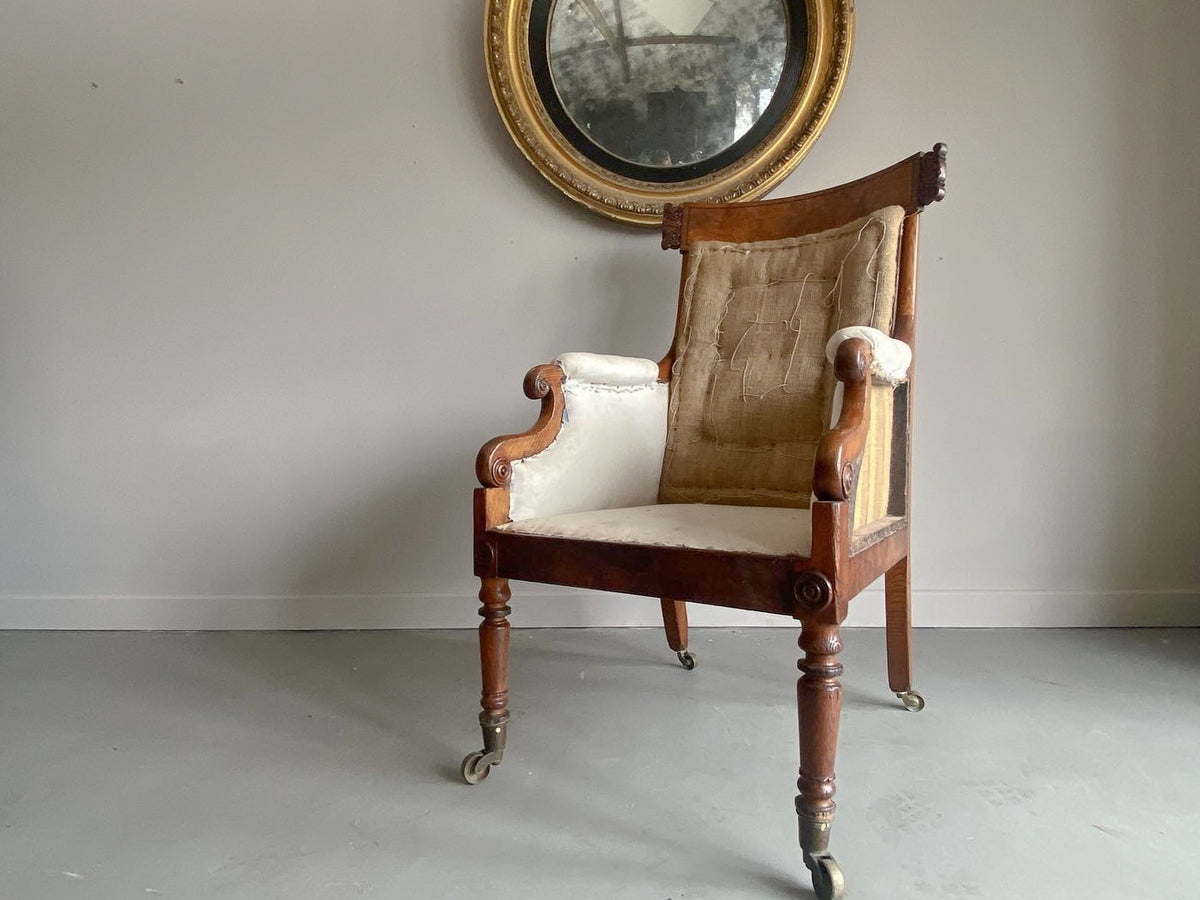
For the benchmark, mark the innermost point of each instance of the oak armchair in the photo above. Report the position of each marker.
(763, 464)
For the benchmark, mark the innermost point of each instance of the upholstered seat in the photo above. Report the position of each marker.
(771, 531)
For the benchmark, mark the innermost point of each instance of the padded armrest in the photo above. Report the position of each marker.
(615, 371)
(890, 358)
(608, 452)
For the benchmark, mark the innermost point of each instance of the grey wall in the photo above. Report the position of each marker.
(256, 324)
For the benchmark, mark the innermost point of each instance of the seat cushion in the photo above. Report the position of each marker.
(775, 531)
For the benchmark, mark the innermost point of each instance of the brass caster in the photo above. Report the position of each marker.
(687, 659)
(477, 766)
(827, 880)
(912, 701)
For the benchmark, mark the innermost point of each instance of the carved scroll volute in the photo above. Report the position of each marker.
(931, 177)
(493, 465)
(672, 227)
(840, 448)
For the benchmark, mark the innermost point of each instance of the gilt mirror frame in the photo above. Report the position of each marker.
(519, 82)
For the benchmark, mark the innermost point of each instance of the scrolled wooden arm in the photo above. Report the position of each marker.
(493, 465)
(841, 447)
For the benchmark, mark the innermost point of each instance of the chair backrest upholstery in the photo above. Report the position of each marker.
(751, 388)
(764, 286)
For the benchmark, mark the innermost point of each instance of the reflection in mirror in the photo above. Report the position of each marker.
(666, 83)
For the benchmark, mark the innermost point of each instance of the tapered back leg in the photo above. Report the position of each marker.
(675, 620)
(896, 592)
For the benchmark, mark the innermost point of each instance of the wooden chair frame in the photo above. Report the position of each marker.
(815, 589)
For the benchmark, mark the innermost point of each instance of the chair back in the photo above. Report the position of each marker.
(764, 286)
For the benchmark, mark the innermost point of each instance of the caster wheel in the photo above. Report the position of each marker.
(827, 878)
(912, 701)
(687, 659)
(472, 771)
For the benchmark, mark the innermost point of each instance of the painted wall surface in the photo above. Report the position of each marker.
(270, 273)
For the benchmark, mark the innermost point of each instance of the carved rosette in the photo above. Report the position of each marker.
(812, 592)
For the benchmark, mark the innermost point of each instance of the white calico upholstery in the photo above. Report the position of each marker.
(617, 371)
(776, 531)
(609, 450)
(890, 357)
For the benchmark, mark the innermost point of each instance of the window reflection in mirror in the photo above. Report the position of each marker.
(666, 83)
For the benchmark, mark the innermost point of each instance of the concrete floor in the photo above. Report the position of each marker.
(1048, 764)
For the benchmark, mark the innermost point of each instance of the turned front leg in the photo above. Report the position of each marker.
(819, 702)
(493, 655)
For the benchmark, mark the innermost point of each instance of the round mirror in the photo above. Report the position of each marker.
(667, 84)
(629, 104)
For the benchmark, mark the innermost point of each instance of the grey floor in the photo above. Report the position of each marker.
(1048, 764)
